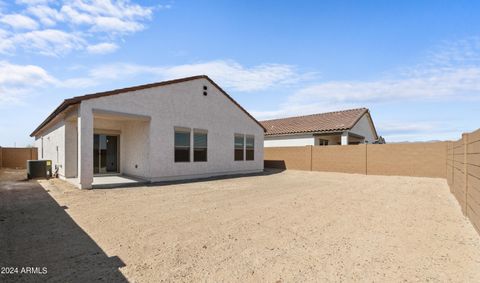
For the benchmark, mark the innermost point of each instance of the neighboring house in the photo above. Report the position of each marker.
(354, 126)
(178, 129)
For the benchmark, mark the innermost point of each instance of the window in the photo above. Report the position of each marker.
(182, 146)
(199, 146)
(239, 147)
(322, 142)
(250, 148)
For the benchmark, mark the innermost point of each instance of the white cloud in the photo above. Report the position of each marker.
(50, 42)
(400, 131)
(17, 80)
(115, 25)
(46, 15)
(77, 23)
(120, 17)
(18, 21)
(237, 77)
(33, 2)
(102, 48)
(451, 73)
(227, 73)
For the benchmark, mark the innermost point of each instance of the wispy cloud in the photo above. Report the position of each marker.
(452, 72)
(228, 73)
(17, 21)
(78, 23)
(18, 80)
(102, 48)
(399, 131)
(21, 79)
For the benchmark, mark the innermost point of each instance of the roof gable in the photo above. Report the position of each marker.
(78, 99)
(322, 122)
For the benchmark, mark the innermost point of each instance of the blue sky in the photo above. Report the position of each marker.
(414, 64)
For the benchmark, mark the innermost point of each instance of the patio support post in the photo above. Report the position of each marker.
(85, 147)
(344, 138)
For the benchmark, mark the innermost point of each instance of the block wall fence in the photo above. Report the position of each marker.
(409, 159)
(16, 157)
(463, 174)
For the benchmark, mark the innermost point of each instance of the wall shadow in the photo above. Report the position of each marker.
(277, 164)
(265, 172)
(36, 232)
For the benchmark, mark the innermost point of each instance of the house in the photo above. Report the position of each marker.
(178, 129)
(354, 126)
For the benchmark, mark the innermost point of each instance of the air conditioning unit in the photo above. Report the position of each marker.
(39, 169)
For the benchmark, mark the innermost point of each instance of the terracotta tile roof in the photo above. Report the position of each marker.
(75, 100)
(322, 122)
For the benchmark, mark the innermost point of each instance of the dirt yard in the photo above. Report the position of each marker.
(280, 227)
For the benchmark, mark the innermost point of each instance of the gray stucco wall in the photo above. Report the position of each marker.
(53, 139)
(364, 128)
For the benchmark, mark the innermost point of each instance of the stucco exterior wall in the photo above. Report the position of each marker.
(364, 128)
(134, 142)
(294, 140)
(70, 149)
(53, 147)
(180, 105)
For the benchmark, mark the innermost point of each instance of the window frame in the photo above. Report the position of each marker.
(175, 146)
(200, 132)
(322, 142)
(247, 149)
(235, 136)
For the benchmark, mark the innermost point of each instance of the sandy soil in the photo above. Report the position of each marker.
(288, 226)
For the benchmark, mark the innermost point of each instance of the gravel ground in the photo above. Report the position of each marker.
(278, 227)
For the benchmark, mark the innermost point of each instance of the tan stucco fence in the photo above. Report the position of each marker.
(16, 157)
(409, 159)
(463, 174)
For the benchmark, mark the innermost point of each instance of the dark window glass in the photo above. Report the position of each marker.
(250, 148)
(239, 147)
(182, 146)
(199, 147)
(322, 142)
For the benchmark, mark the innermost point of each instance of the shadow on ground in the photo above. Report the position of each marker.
(36, 232)
(265, 172)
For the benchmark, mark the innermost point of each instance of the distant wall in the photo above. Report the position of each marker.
(296, 158)
(338, 158)
(15, 157)
(463, 174)
(410, 159)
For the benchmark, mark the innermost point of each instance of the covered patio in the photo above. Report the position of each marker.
(113, 147)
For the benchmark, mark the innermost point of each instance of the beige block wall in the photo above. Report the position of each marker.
(463, 165)
(17, 157)
(415, 159)
(410, 159)
(459, 183)
(473, 178)
(347, 159)
(296, 158)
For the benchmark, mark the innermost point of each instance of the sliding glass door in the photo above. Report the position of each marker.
(105, 154)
